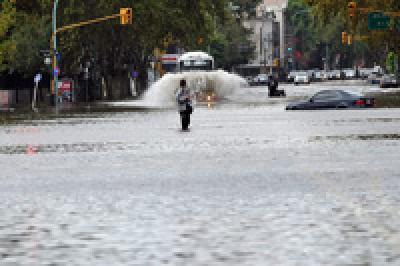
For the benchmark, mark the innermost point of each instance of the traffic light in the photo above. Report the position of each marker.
(350, 39)
(344, 38)
(129, 15)
(276, 62)
(126, 15)
(352, 9)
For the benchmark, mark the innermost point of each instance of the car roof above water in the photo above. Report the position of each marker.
(350, 93)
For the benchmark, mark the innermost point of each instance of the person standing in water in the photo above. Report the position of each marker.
(184, 105)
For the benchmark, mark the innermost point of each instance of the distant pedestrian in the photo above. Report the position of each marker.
(184, 105)
(272, 85)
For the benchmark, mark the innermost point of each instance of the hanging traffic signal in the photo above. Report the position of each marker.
(350, 39)
(126, 15)
(352, 6)
(344, 38)
(129, 15)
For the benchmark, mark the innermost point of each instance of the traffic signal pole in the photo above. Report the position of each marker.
(398, 66)
(85, 23)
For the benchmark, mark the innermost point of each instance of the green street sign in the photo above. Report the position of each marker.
(378, 21)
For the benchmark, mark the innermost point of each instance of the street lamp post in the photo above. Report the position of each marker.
(265, 60)
(86, 77)
(55, 65)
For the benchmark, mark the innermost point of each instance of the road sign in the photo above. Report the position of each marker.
(56, 71)
(378, 21)
(47, 61)
(38, 78)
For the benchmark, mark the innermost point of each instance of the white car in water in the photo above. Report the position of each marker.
(350, 73)
(301, 78)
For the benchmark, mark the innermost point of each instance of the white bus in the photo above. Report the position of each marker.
(195, 61)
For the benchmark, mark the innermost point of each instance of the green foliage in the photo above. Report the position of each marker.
(333, 14)
(303, 27)
(391, 61)
(7, 22)
(230, 45)
(112, 49)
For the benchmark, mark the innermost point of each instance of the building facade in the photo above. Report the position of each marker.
(266, 39)
(279, 8)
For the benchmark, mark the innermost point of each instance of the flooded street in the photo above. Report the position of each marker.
(250, 184)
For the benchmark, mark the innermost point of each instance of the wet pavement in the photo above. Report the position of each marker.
(250, 184)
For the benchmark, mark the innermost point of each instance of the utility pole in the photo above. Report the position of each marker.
(86, 77)
(55, 65)
(265, 60)
(327, 61)
(397, 64)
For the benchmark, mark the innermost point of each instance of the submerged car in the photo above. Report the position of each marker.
(332, 99)
(301, 78)
(388, 81)
(291, 76)
(349, 73)
(320, 75)
(261, 79)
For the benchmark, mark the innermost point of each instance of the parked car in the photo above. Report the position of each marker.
(388, 81)
(349, 73)
(311, 74)
(291, 76)
(365, 72)
(301, 78)
(337, 74)
(261, 79)
(321, 75)
(375, 78)
(249, 79)
(333, 74)
(333, 99)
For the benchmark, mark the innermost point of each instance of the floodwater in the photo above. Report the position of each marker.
(250, 184)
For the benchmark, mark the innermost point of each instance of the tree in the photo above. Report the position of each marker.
(230, 45)
(305, 34)
(391, 61)
(7, 22)
(327, 11)
(113, 50)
